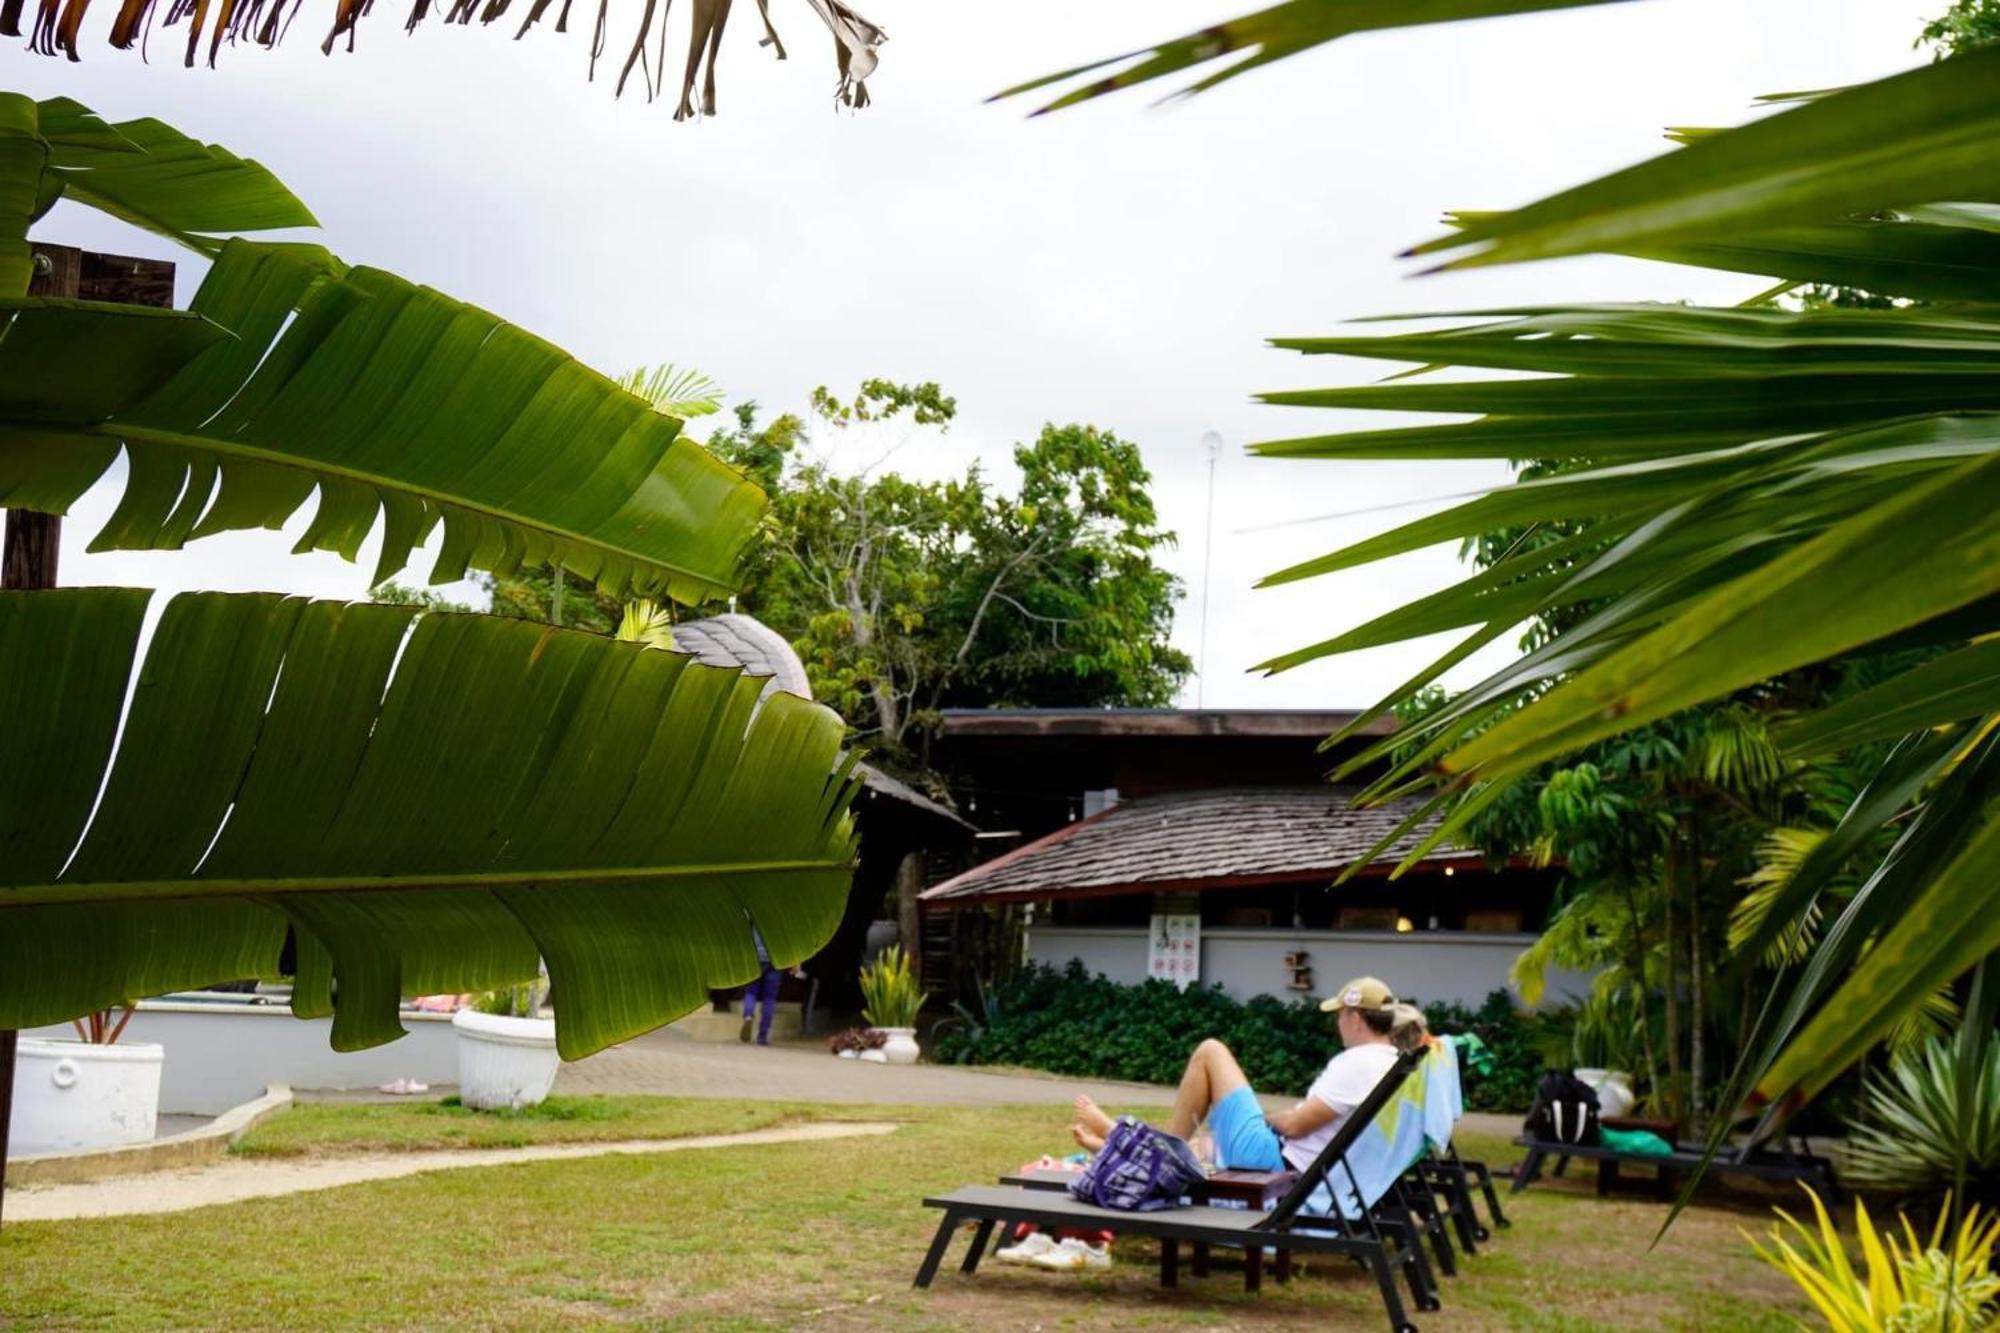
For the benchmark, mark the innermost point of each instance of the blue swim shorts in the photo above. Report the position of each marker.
(1244, 1140)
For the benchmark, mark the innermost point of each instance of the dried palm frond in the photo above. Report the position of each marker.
(265, 23)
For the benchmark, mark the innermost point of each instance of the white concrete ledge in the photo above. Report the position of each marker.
(196, 1147)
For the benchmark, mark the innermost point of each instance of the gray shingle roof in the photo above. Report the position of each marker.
(1219, 834)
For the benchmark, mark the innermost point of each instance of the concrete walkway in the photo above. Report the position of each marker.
(238, 1179)
(668, 1063)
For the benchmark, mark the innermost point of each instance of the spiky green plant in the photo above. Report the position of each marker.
(1907, 1284)
(890, 993)
(1919, 1116)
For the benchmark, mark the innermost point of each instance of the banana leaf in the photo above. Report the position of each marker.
(390, 402)
(420, 802)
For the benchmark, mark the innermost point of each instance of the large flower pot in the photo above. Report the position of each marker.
(1613, 1088)
(900, 1048)
(73, 1095)
(504, 1063)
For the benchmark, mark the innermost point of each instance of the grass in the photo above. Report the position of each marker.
(321, 1129)
(820, 1234)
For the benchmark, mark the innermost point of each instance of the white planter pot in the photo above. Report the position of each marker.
(504, 1063)
(901, 1046)
(874, 1057)
(1613, 1088)
(72, 1095)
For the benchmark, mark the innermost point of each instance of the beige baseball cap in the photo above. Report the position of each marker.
(1360, 993)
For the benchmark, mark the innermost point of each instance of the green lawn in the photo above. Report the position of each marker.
(818, 1234)
(321, 1129)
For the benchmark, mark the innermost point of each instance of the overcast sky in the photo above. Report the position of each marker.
(1115, 264)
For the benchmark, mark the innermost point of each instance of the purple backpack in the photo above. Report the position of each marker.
(1139, 1170)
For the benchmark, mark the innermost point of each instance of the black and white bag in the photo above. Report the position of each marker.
(1565, 1110)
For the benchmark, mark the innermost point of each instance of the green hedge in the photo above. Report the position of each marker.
(1073, 1023)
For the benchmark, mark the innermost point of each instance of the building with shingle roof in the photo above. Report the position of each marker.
(1204, 845)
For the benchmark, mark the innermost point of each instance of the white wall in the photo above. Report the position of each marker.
(1465, 966)
(224, 1054)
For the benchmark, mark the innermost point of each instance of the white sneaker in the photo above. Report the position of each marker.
(1073, 1256)
(1028, 1250)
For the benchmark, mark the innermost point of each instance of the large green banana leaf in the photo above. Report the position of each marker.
(422, 803)
(140, 171)
(389, 403)
(389, 400)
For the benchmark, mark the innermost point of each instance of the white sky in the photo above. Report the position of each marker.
(1114, 264)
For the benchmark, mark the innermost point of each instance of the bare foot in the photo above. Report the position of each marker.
(1091, 1116)
(1088, 1141)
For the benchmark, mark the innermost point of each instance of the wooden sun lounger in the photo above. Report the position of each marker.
(1382, 1251)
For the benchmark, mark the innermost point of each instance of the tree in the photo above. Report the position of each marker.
(322, 781)
(905, 597)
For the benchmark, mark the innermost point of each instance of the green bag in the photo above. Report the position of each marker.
(1638, 1142)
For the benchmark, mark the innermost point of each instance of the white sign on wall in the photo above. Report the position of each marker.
(1173, 949)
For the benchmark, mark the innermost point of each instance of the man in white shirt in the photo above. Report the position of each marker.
(1245, 1139)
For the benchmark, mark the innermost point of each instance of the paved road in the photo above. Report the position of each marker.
(670, 1063)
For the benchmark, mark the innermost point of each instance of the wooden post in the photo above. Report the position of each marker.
(910, 883)
(33, 540)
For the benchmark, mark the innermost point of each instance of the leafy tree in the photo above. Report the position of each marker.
(1966, 26)
(904, 597)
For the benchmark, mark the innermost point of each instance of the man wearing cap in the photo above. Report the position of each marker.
(1245, 1139)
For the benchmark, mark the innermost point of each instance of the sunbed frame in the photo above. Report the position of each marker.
(1382, 1251)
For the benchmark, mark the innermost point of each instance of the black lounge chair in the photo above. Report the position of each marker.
(1382, 1247)
(1786, 1163)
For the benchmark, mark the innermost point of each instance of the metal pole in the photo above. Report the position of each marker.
(1212, 444)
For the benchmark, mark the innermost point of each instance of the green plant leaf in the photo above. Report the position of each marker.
(392, 402)
(1270, 35)
(151, 175)
(1952, 924)
(1915, 138)
(1951, 688)
(329, 770)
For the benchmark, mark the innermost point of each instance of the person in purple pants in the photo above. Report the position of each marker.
(765, 990)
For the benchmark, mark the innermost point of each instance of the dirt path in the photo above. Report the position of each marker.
(235, 1179)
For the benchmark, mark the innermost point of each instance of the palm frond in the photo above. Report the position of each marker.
(265, 23)
(1262, 38)
(674, 391)
(1750, 492)
(646, 622)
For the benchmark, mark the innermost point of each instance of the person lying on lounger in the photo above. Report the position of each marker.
(1215, 1087)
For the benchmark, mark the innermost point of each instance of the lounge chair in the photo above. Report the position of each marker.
(1336, 1226)
(1786, 1163)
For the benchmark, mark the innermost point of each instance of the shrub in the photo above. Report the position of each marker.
(1909, 1130)
(889, 991)
(1070, 1022)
